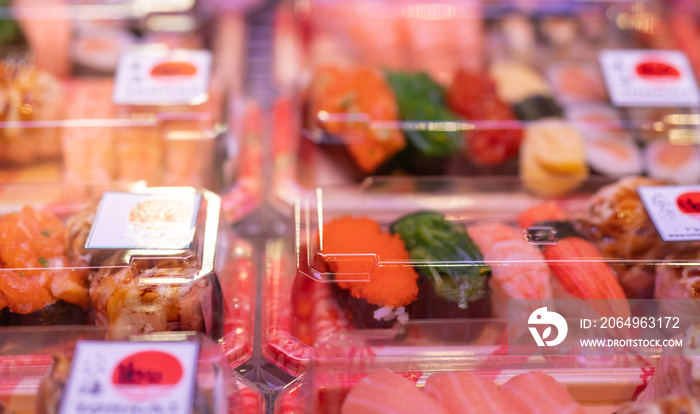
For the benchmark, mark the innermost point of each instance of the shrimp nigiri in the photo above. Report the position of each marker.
(522, 272)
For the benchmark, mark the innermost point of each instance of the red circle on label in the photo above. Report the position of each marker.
(169, 69)
(653, 70)
(689, 203)
(148, 368)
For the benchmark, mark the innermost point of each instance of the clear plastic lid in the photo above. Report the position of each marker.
(461, 265)
(68, 115)
(466, 88)
(143, 260)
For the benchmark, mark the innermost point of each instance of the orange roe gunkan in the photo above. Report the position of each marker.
(388, 285)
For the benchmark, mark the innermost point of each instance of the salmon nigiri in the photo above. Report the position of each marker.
(577, 264)
(384, 392)
(538, 393)
(466, 393)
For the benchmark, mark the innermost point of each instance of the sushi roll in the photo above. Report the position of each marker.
(38, 285)
(674, 163)
(445, 291)
(614, 155)
(381, 300)
(594, 118)
(574, 82)
(525, 90)
(552, 158)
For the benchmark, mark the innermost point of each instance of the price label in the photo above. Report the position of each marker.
(144, 221)
(132, 377)
(675, 211)
(649, 78)
(148, 77)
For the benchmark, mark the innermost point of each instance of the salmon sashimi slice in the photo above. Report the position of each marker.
(467, 393)
(3, 301)
(549, 211)
(23, 293)
(538, 393)
(384, 392)
(71, 285)
(485, 235)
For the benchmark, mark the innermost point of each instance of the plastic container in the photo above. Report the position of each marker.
(148, 259)
(334, 372)
(500, 71)
(62, 122)
(36, 362)
(598, 243)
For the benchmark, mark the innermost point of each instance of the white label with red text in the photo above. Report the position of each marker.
(675, 211)
(649, 78)
(144, 221)
(132, 377)
(176, 77)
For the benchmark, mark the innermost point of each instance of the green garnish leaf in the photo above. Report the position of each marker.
(21, 274)
(43, 262)
(46, 233)
(452, 262)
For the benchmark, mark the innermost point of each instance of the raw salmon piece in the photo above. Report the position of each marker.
(23, 293)
(71, 286)
(3, 301)
(467, 393)
(538, 393)
(384, 392)
(549, 211)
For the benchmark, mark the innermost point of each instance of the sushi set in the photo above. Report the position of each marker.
(498, 89)
(130, 263)
(394, 228)
(65, 120)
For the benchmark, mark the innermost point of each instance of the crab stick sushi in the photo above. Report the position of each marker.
(538, 393)
(675, 163)
(384, 392)
(579, 267)
(467, 393)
